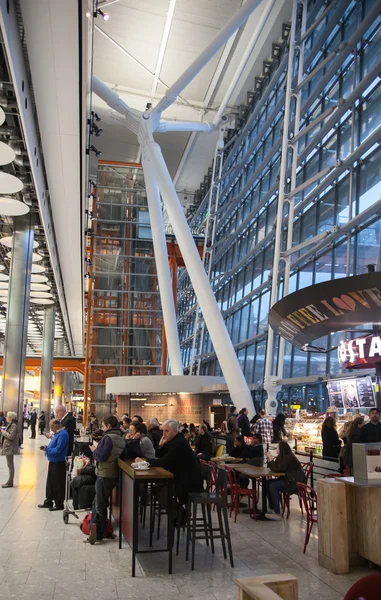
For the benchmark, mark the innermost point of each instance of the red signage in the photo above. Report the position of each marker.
(360, 353)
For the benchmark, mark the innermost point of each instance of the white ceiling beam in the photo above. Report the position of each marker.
(163, 46)
(135, 60)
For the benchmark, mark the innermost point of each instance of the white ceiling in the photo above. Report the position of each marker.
(133, 34)
(136, 28)
(51, 29)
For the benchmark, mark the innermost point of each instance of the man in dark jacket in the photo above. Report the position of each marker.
(371, 432)
(175, 455)
(67, 421)
(244, 423)
(106, 454)
(33, 421)
(205, 443)
(154, 431)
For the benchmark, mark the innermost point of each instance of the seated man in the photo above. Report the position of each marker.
(253, 452)
(56, 452)
(175, 455)
(205, 444)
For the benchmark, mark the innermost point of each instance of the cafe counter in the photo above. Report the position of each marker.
(349, 523)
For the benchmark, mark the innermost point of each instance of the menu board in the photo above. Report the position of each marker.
(335, 395)
(365, 392)
(349, 393)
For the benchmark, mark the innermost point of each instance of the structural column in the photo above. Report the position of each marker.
(47, 362)
(12, 397)
(58, 386)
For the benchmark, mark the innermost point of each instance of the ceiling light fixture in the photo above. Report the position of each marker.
(91, 149)
(10, 207)
(105, 16)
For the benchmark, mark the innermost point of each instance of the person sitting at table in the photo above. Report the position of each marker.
(154, 431)
(253, 452)
(205, 445)
(238, 447)
(176, 455)
(287, 463)
(137, 431)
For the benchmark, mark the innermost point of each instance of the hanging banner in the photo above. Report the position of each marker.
(336, 305)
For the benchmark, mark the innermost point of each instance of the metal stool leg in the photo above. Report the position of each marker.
(222, 533)
(210, 524)
(205, 524)
(188, 530)
(227, 533)
(194, 523)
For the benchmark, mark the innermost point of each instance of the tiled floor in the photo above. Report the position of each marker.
(41, 557)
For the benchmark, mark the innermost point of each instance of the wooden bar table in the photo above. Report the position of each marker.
(130, 483)
(225, 459)
(254, 473)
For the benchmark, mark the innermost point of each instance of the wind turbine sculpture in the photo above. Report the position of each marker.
(158, 181)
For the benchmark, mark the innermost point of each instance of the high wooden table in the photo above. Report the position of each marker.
(130, 484)
(349, 523)
(254, 473)
(225, 459)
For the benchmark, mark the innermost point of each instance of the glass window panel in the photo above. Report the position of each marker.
(245, 313)
(264, 312)
(253, 319)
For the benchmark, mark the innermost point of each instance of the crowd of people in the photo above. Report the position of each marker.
(337, 445)
(174, 446)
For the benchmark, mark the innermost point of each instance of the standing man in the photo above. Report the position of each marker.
(42, 422)
(56, 453)
(33, 422)
(371, 432)
(67, 421)
(264, 427)
(106, 454)
(244, 423)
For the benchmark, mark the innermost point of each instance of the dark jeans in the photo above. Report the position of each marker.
(55, 483)
(274, 487)
(33, 431)
(103, 489)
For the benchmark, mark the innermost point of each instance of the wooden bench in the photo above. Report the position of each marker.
(268, 587)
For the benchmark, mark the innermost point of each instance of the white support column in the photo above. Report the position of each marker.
(162, 267)
(226, 355)
(271, 402)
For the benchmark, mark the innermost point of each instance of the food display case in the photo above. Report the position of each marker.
(306, 432)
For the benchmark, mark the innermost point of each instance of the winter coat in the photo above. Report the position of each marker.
(10, 438)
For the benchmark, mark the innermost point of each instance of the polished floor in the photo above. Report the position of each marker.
(41, 557)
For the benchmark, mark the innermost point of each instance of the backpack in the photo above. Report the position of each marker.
(85, 527)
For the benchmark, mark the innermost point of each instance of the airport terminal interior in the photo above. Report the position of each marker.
(190, 299)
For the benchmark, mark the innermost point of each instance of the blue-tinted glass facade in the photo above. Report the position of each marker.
(340, 158)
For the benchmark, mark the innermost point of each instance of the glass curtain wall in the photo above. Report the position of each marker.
(337, 187)
(125, 312)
